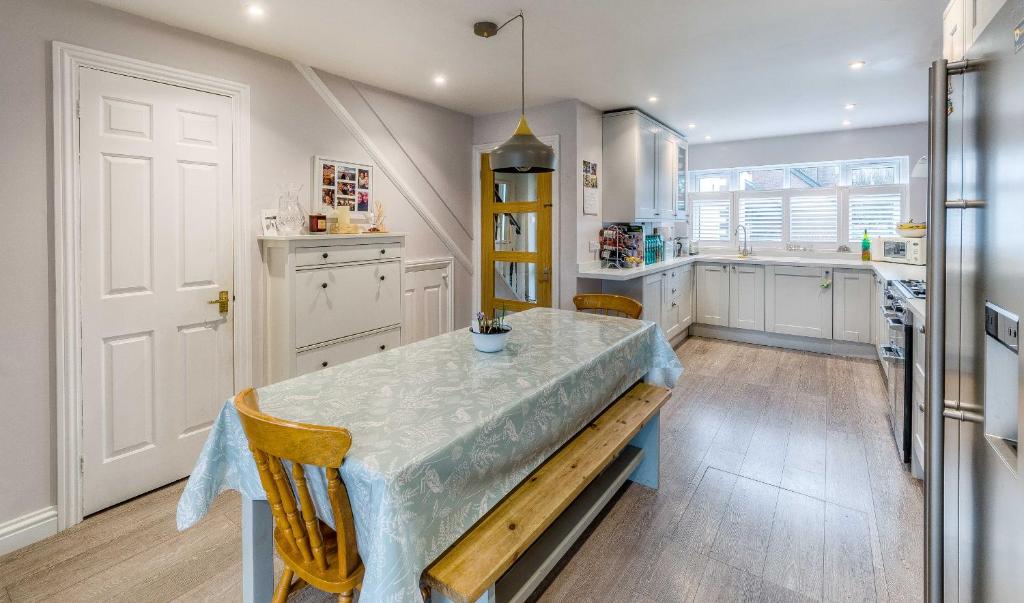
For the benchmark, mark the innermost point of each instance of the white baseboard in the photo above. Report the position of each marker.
(793, 342)
(27, 529)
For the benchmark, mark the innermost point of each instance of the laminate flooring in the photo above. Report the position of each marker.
(779, 482)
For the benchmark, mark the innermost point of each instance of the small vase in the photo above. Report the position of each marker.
(290, 217)
(491, 342)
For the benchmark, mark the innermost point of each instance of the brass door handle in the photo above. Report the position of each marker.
(222, 302)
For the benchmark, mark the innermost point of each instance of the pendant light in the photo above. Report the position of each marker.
(523, 153)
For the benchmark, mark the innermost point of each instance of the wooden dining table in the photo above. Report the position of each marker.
(440, 434)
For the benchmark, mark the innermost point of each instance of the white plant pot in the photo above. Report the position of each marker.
(490, 342)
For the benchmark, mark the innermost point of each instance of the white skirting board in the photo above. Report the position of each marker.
(27, 529)
(793, 342)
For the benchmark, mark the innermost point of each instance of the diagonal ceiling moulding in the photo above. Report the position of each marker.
(382, 162)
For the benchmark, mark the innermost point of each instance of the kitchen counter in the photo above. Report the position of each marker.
(885, 270)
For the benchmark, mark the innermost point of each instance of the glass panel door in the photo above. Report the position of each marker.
(515, 240)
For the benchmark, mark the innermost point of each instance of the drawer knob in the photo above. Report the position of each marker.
(674, 290)
(382, 277)
(325, 256)
(382, 346)
(323, 286)
(383, 251)
(324, 364)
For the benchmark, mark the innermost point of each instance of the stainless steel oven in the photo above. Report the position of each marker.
(898, 355)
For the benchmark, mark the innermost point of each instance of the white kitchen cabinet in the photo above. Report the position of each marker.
(712, 282)
(918, 376)
(746, 296)
(667, 297)
(665, 176)
(852, 310)
(798, 300)
(653, 298)
(330, 299)
(684, 283)
(641, 168)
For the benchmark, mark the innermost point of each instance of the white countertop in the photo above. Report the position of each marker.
(885, 270)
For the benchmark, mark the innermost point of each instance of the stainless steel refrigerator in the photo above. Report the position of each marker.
(975, 479)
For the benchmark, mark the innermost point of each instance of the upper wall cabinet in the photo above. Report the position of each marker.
(644, 169)
(962, 24)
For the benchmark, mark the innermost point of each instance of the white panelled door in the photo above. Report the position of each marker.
(156, 245)
(426, 303)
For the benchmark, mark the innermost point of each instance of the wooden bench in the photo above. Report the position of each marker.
(539, 520)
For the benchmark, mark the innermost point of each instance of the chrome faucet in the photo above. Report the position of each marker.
(744, 249)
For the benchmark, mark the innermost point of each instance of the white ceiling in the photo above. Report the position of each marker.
(737, 68)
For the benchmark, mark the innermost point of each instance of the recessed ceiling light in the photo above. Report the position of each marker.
(708, 137)
(850, 106)
(846, 123)
(691, 126)
(855, 65)
(255, 11)
(652, 99)
(440, 80)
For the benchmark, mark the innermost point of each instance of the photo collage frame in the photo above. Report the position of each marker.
(342, 184)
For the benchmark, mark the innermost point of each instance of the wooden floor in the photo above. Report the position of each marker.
(779, 482)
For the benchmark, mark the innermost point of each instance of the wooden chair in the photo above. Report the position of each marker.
(318, 555)
(609, 305)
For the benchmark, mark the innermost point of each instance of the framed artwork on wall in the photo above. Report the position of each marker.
(342, 184)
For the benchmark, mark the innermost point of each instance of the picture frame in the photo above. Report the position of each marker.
(268, 221)
(338, 183)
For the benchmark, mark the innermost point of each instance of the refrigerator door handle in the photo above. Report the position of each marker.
(935, 394)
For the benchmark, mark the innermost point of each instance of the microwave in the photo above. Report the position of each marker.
(902, 250)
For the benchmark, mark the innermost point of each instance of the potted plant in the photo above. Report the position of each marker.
(490, 334)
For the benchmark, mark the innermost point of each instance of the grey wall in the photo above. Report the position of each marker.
(578, 127)
(910, 140)
(290, 124)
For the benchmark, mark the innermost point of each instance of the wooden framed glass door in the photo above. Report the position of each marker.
(515, 239)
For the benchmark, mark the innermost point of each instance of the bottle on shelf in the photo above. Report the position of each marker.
(865, 247)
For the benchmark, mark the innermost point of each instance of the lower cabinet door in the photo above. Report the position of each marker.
(333, 354)
(798, 300)
(852, 307)
(685, 286)
(746, 296)
(712, 294)
(653, 299)
(670, 303)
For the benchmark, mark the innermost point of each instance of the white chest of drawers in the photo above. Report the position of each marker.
(330, 299)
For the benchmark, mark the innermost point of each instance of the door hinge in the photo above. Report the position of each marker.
(78, 110)
(81, 465)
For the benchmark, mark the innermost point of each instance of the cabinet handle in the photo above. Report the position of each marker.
(325, 256)
(324, 364)
(674, 290)
(382, 346)
(674, 304)
(382, 277)
(323, 286)
(920, 329)
(383, 251)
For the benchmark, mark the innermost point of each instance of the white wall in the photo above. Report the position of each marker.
(290, 124)
(910, 140)
(578, 127)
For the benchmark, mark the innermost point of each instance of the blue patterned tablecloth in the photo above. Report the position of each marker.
(441, 432)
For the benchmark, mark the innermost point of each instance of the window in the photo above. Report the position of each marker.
(878, 213)
(712, 182)
(762, 216)
(874, 173)
(818, 176)
(711, 218)
(814, 218)
(829, 203)
(762, 179)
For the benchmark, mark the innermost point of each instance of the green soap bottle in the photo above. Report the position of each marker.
(865, 247)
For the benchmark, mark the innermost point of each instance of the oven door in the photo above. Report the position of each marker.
(898, 416)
